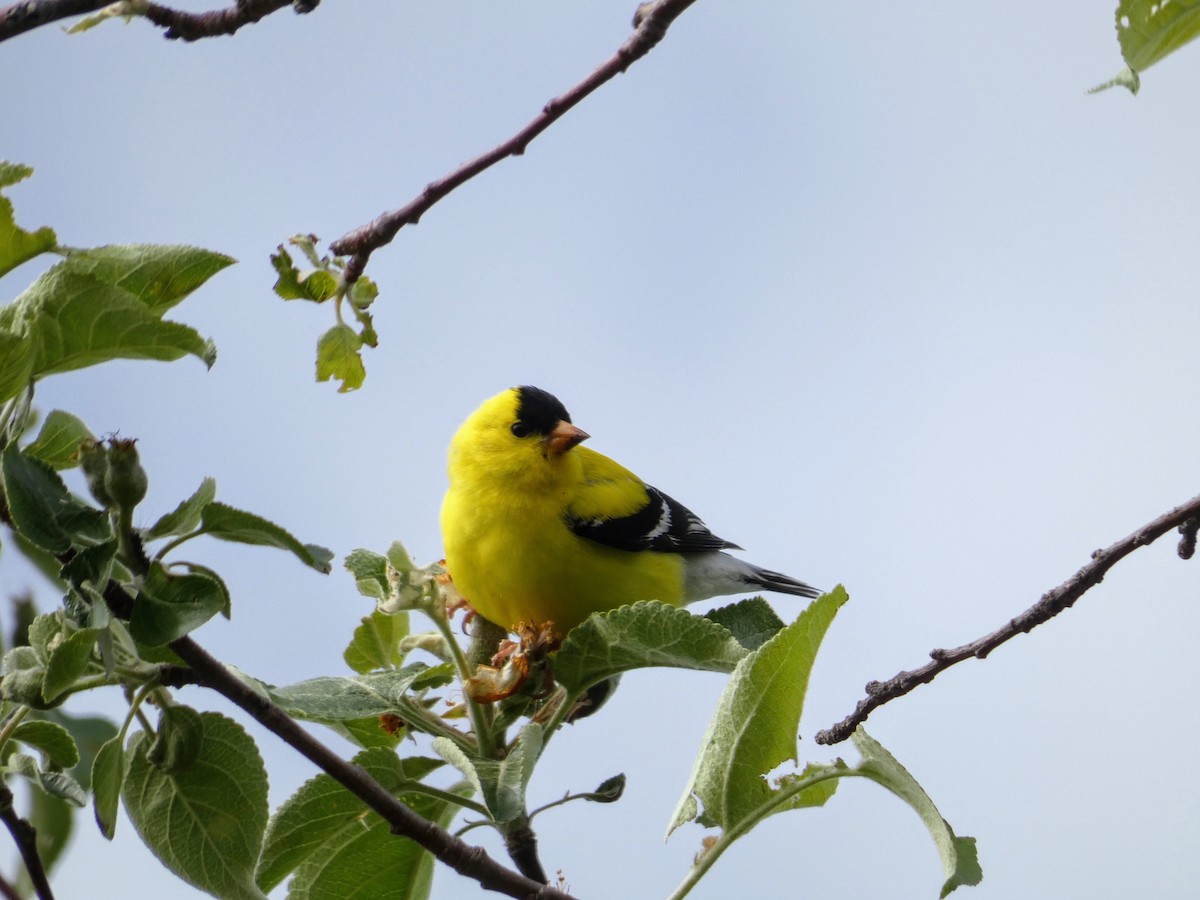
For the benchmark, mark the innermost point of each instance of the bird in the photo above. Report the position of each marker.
(538, 529)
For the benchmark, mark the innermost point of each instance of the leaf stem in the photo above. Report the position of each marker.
(417, 787)
(481, 719)
(175, 542)
(704, 860)
(11, 723)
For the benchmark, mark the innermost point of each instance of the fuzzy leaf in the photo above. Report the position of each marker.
(320, 829)
(52, 739)
(67, 661)
(158, 275)
(42, 508)
(959, 857)
(376, 642)
(644, 634)
(169, 606)
(186, 516)
(16, 244)
(56, 784)
(338, 358)
(108, 775)
(753, 622)
(59, 440)
(230, 524)
(754, 727)
(75, 321)
(370, 572)
(501, 783)
(335, 699)
(204, 823)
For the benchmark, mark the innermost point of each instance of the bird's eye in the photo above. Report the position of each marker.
(520, 429)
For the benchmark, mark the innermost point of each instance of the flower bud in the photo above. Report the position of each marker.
(93, 459)
(125, 481)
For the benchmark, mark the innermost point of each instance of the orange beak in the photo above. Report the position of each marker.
(564, 437)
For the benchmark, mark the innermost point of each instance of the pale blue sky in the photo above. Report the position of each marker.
(877, 290)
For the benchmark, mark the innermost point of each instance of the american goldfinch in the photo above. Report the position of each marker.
(539, 529)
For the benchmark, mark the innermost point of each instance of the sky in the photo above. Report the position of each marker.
(877, 290)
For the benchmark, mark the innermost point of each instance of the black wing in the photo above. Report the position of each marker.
(663, 524)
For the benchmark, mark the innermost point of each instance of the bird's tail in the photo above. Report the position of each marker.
(783, 584)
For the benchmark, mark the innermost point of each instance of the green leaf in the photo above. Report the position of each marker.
(754, 727)
(179, 740)
(44, 630)
(42, 508)
(316, 284)
(609, 790)
(287, 285)
(644, 634)
(370, 573)
(752, 622)
(317, 824)
(76, 320)
(91, 565)
(23, 674)
(338, 357)
(205, 823)
(185, 517)
(332, 699)
(169, 606)
(215, 578)
(16, 357)
(1149, 31)
(959, 858)
(322, 811)
(67, 661)
(89, 734)
(376, 642)
(108, 775)
(158, 275)
(16, 244)
(58, 441)
(54, 741)
(501, 783)
(229, 524)
(368, 732)
(824, 778)
(56, 784)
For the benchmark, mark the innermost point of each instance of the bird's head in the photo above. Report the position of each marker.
(521, 433)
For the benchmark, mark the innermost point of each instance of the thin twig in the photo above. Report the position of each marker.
(468, 861)
(26, 15)
(25, 836)
(1051, 604)
(7, 891)
(650, 26)
(190, 26)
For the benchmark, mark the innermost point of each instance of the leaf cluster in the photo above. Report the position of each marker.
(193, 782)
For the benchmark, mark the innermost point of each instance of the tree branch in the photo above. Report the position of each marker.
(219, 22)
(1186, 518)
(7, 891)
(25, 837)
(471, 862)
(26, 15)
(650, 26)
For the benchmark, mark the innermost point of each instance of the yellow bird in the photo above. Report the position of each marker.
(538, 529)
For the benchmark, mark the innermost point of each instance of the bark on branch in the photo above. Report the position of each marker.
(1185, 518)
